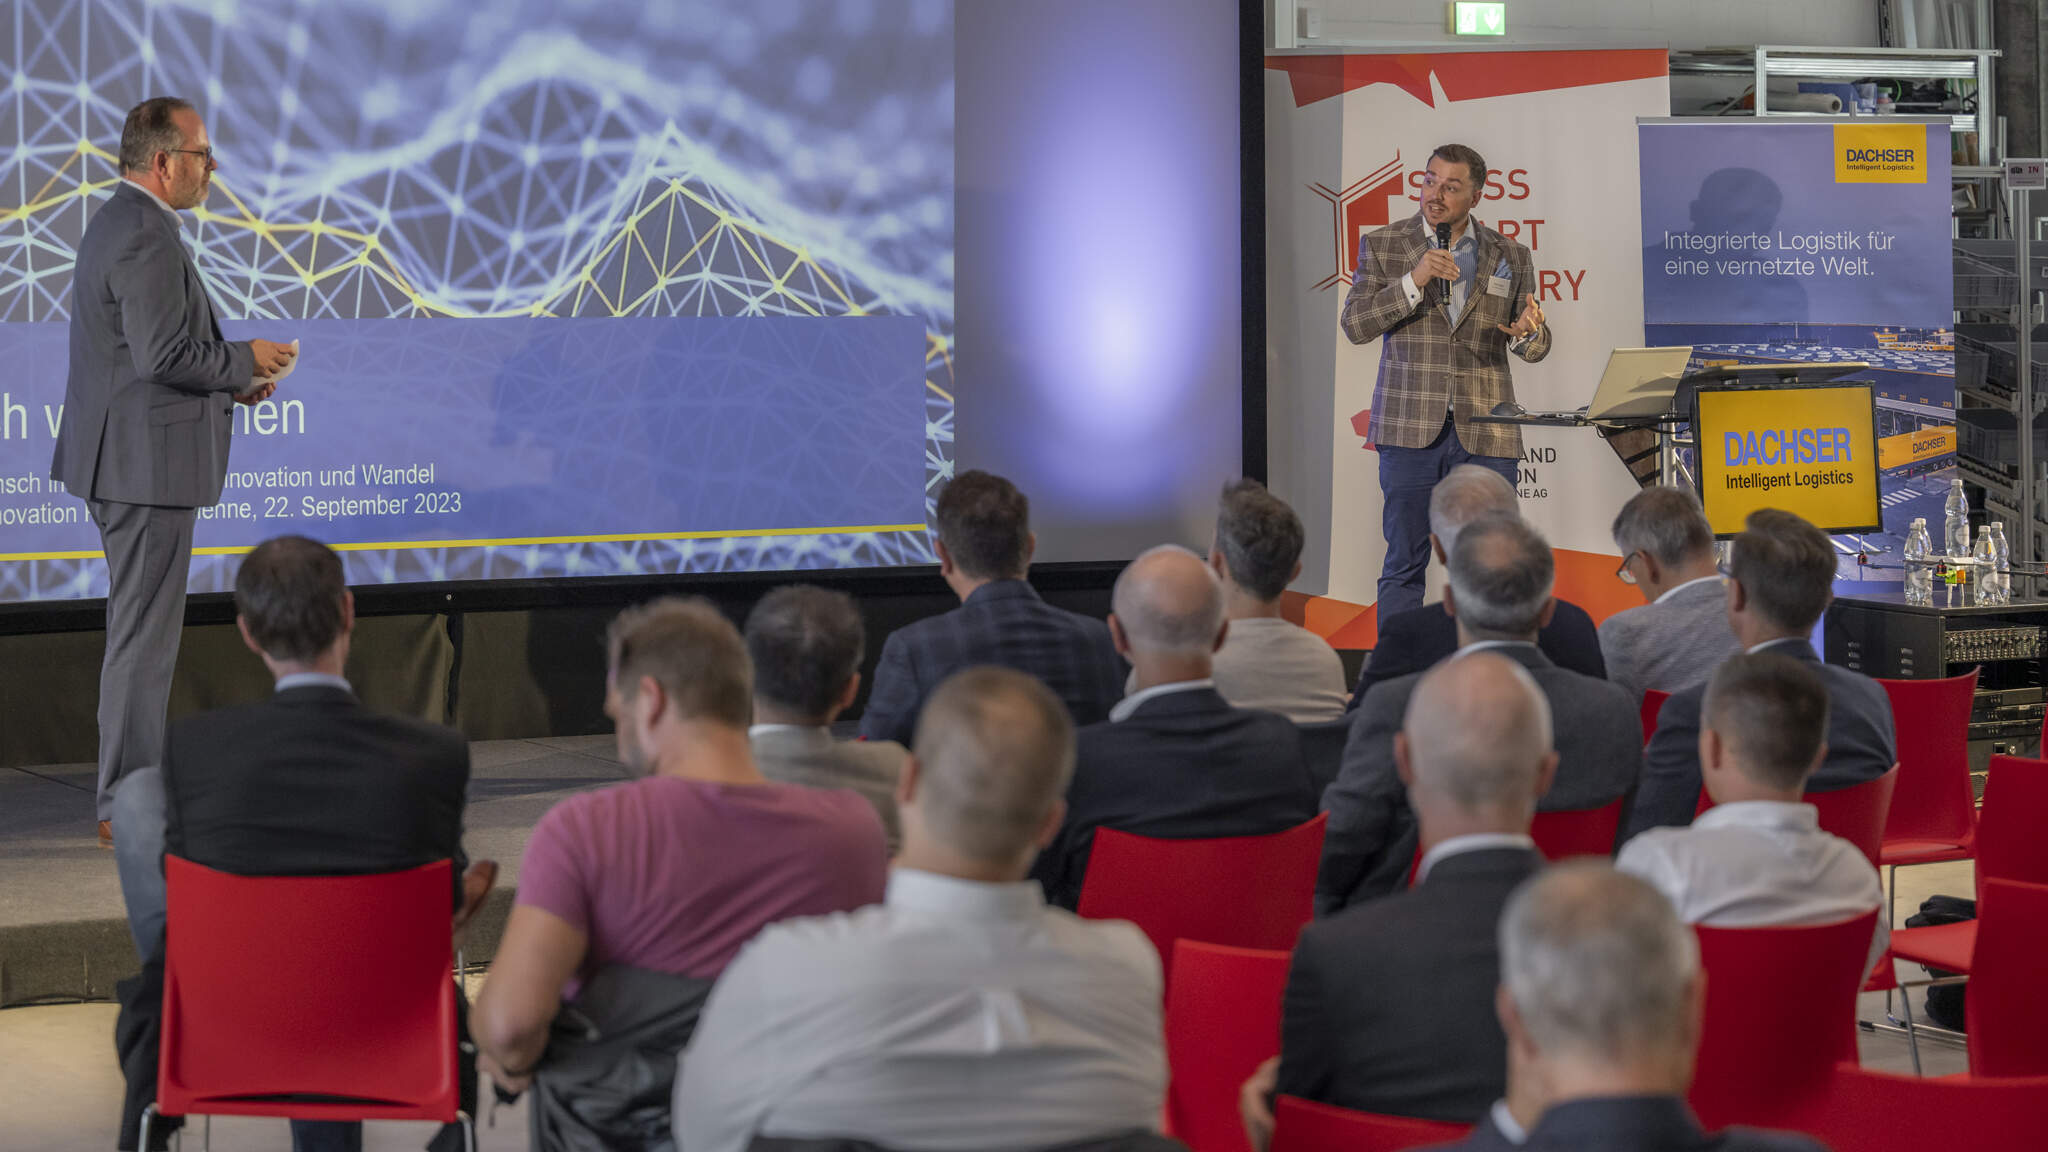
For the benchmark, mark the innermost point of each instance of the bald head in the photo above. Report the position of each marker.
(1478, 736)
(994, 750)
(1466, 493)
(1169, 603)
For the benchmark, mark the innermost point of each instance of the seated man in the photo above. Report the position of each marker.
(1600, 996)
(1781, 576)
(1677, 639)
(1266, 661)
(1175, 760)
(806, 645)
(1499, 595)
(305, 783)
(633, 898)
(983, 525)
(1759, 856)
(961, 1013)
(1412, 641)
(1389, 1003)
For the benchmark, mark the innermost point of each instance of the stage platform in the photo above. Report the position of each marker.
(63, 933)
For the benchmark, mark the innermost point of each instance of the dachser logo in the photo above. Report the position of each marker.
(1880, 153)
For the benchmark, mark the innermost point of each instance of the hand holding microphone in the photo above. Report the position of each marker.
(1436, 266)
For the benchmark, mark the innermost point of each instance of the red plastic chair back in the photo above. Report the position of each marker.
(1222, 1020)
(1932, 802)
(331, 986)
(1879, 1112)
(1781, 1011)
(2010, 841)
(2008, 1017)
(1653, 703)
(1244, 891)
(1858, 813)
(1582, 832)
(1306, 1126)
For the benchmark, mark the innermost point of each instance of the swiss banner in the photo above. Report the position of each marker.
(1347, 139)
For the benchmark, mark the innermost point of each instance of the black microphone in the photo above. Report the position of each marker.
(1443, 241)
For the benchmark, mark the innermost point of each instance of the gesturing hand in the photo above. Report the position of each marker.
(271, 357)
(1529, 321)
(256, 395)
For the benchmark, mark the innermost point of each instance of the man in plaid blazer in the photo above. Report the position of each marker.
(1449, 317)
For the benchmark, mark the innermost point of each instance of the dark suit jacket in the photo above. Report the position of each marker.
(150, 388)
(1635, 1124)
(1861, 745)
(1413, 641)
(1372, 835)
(1184, 766)
(1001, 623)
(1389, 1004)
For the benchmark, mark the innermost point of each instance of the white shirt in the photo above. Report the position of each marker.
(1504, 1120)
(1670, 592)
(311, 680)
(1476, 842)
(954, 1015)
(1131, 703)
(1758, 862)
(160, 201)
(1756, 648)
(1277, 665)
(1483, 645)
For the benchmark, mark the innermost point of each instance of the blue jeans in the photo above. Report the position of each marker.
(1407, 476)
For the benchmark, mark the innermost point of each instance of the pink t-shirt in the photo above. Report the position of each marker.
(675, 875)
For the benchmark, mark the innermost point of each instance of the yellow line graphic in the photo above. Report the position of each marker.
(516, 541)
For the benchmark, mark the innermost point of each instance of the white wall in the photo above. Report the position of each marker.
(1678, 23)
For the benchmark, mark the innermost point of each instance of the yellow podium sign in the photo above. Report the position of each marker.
(1810, 451)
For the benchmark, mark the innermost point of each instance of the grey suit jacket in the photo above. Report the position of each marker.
(1370, 841)
(788, 754)
(146, 406)
(1671, 644)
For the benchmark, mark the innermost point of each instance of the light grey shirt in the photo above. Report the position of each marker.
(1671, 643)
(1758, 862)
(1281, 667)
(954, 1015)
(809, 756)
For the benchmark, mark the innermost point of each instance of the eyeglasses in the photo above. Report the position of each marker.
(206, 152)
(1622, 573)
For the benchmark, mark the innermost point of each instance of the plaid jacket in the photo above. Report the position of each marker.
(1431, 361)
(1003, 623)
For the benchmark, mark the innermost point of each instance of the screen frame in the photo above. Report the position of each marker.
(1700, 456)
(518, 594)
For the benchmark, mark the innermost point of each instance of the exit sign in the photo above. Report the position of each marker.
(1476, 18)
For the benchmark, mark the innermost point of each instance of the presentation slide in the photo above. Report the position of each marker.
(581, 289)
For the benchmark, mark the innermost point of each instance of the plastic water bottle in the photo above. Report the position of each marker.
(1986, 570)
(2002, 561)
(1955, 528)
(1919, 577)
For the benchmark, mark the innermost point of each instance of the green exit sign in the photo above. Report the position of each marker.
(1476, 18)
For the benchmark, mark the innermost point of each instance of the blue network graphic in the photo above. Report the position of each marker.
(572, 158)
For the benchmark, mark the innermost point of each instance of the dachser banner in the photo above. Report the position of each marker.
(1811, 451)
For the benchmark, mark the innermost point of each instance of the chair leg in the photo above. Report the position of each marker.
(468, 1130)
(148, 1111)
(206, 1135)
(1912, 1037)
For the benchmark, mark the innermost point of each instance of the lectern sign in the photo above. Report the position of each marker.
(1812, 451)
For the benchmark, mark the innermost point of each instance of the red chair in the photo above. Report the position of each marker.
(1582, 832)
(1781, 1011)
(1878, 1112)
(1653, 703)
(1222, 1020)
(2009, 846)
(1856, 813)
(1933, 815)
(1306, 1126)
(337, 991)
(1245, 891)
(2008, 1017)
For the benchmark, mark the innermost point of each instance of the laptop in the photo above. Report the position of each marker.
(1638, 385)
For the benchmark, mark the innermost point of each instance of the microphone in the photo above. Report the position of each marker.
(1443, 241)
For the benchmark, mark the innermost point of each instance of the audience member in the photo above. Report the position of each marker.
(1781, 577)
(1759, 856)
(1676, 639)
(806, 644)
(984, 541)
(633, 898)
(1389, 1004)
(306, 783)
(1499, 595)
(1412, 641)
(1175, 760)
(962, 1013)
(1601, 995)
(1267, 661)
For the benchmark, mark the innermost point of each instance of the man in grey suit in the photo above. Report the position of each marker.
(1500, 596)
(806, 644)
(144, 439)
(1677, 639)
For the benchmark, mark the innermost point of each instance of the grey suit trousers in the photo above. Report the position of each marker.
(149, 554)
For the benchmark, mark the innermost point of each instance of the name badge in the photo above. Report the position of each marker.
(1499, 285)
